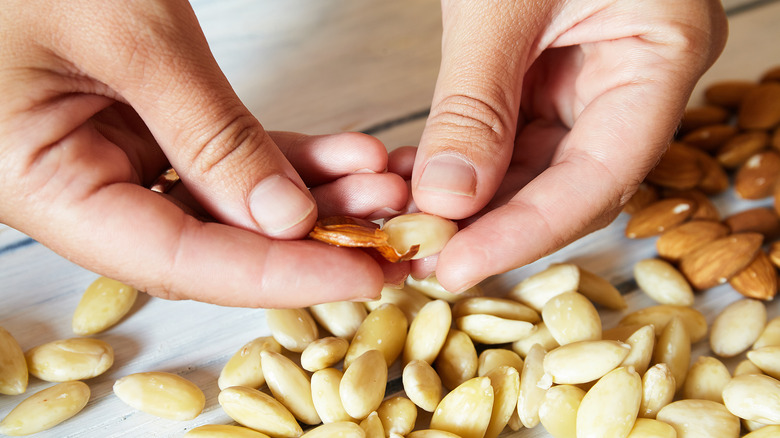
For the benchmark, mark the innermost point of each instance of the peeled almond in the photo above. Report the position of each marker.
(767, 359)
(493, 358)
(541, 336)
(223, 431)
(700, 419)
(458, 360)
(658, 388)
(737, 327)
(466, 410)
(294, 329)
(648, 428)
(340, 318)
(489, 329)
(13, 367)
(243, 368)
(323, 353)
(372, 425)
(46, 409)
(427, 332)
(384, 329)
(290, 385)
(584, 361)
(770, 336)
(362, 387)
(571, 318)
(531, 393)
(70, 359)
(621, 391)
(398, 415)
(674, 349)
(706, 379)
(341, 429)
(103, 304)
(501, 307)
(558, 412)
(422, 385)
(660, 315)
(431, 288)
(537, 289)
(754, 397)
(161, 394)
(642, 343)
(325, 395)
(663, 282)
(259, 411)
(429, 231)
(407, 299)
(505, 381)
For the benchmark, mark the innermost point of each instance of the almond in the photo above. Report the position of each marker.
(710, 138)
(716, 262)
(659, 217)
(741, 147)
(645, 195)
(773, 74)
(762, 220)
(696, 117)
(677, 169)
(728, 93)
(774, 142)
(715, 179)
(673, 244)
(760, 108)
(757, 177)
(758, 280)
(774, 253)
(705, 208)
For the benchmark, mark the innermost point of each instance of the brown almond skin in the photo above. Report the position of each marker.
(659, 217)
(774, 253)
(716, 262)
(774, 142)
(679, 241)
(762, 220)
(728, 94)
(677, 169)
(696, 117)
(757, 177)
(758, 280)
(742, 146)
(771, 75)
(715, 180)
(645, 195)
(705, 208)
(760, 108)
(710, 138)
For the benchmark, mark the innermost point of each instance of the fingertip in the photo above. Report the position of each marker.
(281, 208)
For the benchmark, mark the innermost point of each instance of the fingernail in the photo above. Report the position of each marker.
(448, 173)
(277, 204)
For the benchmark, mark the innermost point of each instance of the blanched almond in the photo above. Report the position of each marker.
(584, 361)
(340, 318)
(663, 282)
(294, 329)
(770, 336)
(466, 410)
(325, 395)
(290, 385)
(13, 366)
(161, 394)
(407, 299)
(103, 304)
(600, 291)
(372, 425)
(737, 327)
(432, 433)
(223, 431)
(341, 429)
(558, 412)
(422, 385)
(571, 318)
(505, 381)
(745, 366)
(537, 289)
(754, 397)
(767, 359)
(660, 315)
(362, 387)
(706, 379)
(642, 343)
(658, 388)
(431, 287)
(621, 391)
(501, 307)
(384, 329)
(259, 411)
(765, 432)
(649, 428)
(243, 368)
(323, 353)
(700, 418)
(429, 231)
(70, 359)
(46, 409)
(674, 349)
(531, 393)
(541, 336)
(493, 358)
(458, 360)
(489, 329)
(398, 415)
(427, 332)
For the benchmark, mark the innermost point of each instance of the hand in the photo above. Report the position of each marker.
(100, 97)
(547, 115)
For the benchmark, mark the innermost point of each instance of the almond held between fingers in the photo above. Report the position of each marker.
(372, 425)
(642, 343)
(489, 329)
(259, 411)
(466, 410)
(706, 379)
(340, 318)
(501, 307)
(103, 304)
(46, 409)
(716, 262)
(754, 397)
(756, 178)
(658, 388)
(700, 419)
(358, 233)
(290, 385)
(737, 327)
(600, 291)
(767, 359)
(427, 231)
(325, 395)
(422, 385)
(770, 336)
(728, 93)
(760, 108)
(243, 368)
(323, 353)
(223, 431)
(398, 415)
(70, 359)
(293, 329)
(457, 360)
(571, 318)
(660, 315)
(674, 349)
(362, 387)
(558, 412)
(341, 429)
(531, 394)
(537, 289)
(161, 394)
(505, 381)
(427, 332)
(621, 390)
(384, 329)
(663, 282)
(13, 366)
(431, 288)
(659, 217)
(758, 280)
(584, 361)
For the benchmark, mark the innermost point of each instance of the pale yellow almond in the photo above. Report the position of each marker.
(493, 358)
(431, 433)
(13, 366)
(372, 426)
(600, 291)
(771, 431)
(754, 397)
(558, 412)
(422, 384)
(46, 409)
(571, 317)
(674, 349)
(541, 336)
(161, 394)
(429, 232)
(660, 315)
(466, 410)
(770, 336)
(663, 282)
(622, 332)
(259, 411)
(621, 391)
(224, 431)
(658, 389)
(290, 385)
(514, 422)
(362, 387)
(427, 332)
(501, 307)
(737, 327)
(243, 368)
(384, 329)
(745, 366)
(398, 415)
(325, 395)
(489, 329)
(341, 429)
(767, 359)
(431, 287)
(649, 428)
(103, 304)
(706, 379)
(537, 289)
(505, 381)
(750, 425)
(531, 394)
(584, 361)
(340, 318)
(642, 343)
(323, 353)
(457, 361)
(700, 419)
(294, 329)
(70, 359)
(409, 300)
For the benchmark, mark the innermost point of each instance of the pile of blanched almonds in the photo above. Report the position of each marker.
(421, 362)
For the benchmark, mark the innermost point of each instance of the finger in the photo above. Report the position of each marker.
(401, 161)
(370, 196)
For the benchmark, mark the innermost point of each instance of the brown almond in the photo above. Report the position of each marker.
(645, 195)
(677, 169)
(774, 142)
(705, 208)
(762, 220)
(728, 93)
(659, 217)
(716, 262)
(710, 138)
(757, 177)
(715, 179)
(673, 244)
(774, 253)
(698, 116)
(741, 147)
(758, 280)
(760, 108)
(772, 74)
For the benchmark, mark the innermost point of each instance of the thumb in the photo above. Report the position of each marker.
(468, 140)
(161, 65)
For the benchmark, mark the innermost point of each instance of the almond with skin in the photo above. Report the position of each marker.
(705, 208)
(728, 93)
(677, 169)
(741, 147)
(716, 262)
(645, 195)
(698, 116)
(771, 75)
(757, 177)
(659, 217)
(679, 241)
(710, 138)
(774, 253)
(758, 280)
(760, 108)
(715, 179)
(762, 220)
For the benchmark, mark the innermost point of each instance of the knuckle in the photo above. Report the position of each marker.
(225, 146)
(483, 118)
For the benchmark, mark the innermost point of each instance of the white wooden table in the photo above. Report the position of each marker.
(315, 67)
